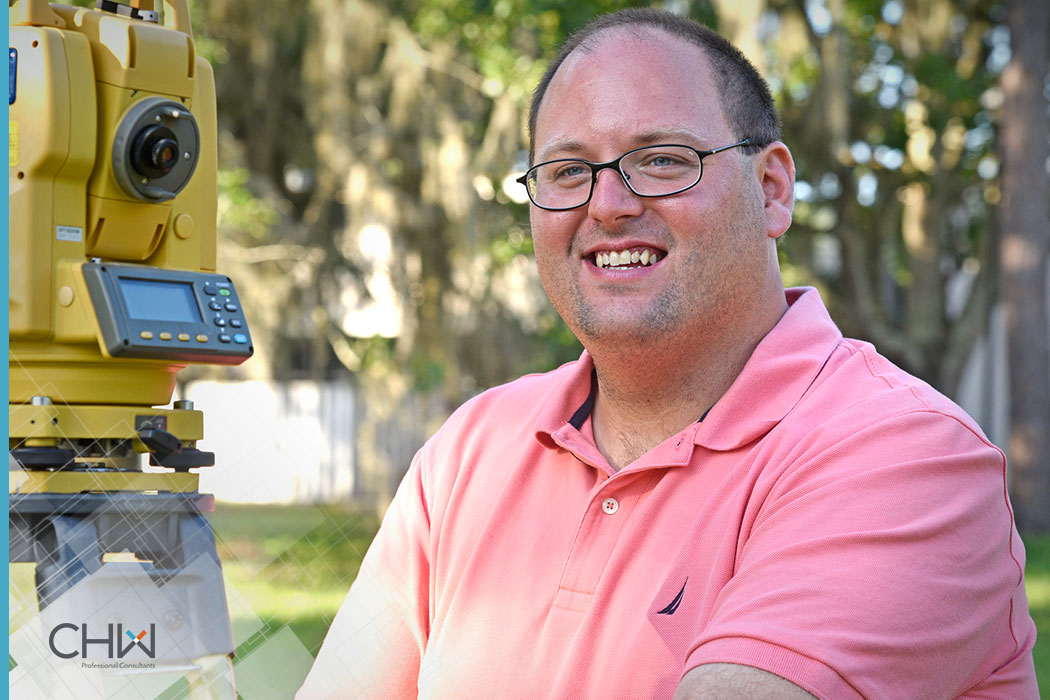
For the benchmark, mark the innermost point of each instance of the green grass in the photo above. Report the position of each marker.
(292, 564)
(1037, 582)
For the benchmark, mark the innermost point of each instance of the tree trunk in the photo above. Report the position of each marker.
(1024, 214)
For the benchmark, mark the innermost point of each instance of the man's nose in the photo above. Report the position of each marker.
(612, 200)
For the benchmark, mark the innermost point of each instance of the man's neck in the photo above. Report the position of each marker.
(636, 410)
(649, 394)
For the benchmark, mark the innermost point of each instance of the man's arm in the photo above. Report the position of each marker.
(736, 682)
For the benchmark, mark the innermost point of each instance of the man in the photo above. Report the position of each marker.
(723, 498)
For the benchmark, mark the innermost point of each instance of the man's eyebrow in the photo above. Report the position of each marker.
(571, 148)
(673, 135)
(564, 146)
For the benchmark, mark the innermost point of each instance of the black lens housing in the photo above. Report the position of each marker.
(154, 151)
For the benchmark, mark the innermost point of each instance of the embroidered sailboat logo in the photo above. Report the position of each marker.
(673, 605)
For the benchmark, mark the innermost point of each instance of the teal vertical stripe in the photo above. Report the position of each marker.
(7, 112)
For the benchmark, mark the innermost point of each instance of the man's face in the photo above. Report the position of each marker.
(710, 243)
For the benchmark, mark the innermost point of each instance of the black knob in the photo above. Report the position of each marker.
(161, 443)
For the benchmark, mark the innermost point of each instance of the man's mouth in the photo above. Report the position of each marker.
(626, 258)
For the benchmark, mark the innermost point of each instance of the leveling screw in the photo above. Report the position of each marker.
(173, 620)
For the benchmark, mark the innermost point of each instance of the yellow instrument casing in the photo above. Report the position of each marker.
(80, 72)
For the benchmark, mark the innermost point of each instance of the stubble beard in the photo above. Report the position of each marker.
(625, 328)
(684, 313)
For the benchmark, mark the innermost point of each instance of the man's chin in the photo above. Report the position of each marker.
(622, 333)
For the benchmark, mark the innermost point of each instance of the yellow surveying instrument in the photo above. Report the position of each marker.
(113, 290)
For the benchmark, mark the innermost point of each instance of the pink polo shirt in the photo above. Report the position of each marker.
(832, 520)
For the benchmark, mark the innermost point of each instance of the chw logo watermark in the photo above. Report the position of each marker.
(119, 642)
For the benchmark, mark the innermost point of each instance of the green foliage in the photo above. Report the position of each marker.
(474, 65)
(505, 248)
(244, 217)
(949, 93)
(427, 375)
(559, 345)
(800, 76)
(503, 37)
(508, 40)
(914, 106)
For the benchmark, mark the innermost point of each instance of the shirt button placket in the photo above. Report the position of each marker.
(610, 506)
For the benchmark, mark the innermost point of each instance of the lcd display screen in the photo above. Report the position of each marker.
(156, 300)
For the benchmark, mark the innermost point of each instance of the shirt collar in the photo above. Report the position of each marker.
(780, 370)
(566, 409)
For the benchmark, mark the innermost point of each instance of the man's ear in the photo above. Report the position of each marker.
(776, 174)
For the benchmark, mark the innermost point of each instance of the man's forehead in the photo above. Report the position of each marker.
(669, 76)
(613, 37)
(622, 51)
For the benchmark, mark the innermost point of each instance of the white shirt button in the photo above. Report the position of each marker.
(610, 506)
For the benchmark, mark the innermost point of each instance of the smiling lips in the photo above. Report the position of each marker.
(627, 258)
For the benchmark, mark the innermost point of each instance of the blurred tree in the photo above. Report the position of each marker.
(367, 148)
(882, 102)
(1024, 216)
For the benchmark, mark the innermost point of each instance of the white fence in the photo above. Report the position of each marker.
(277, 443)
(305, 442)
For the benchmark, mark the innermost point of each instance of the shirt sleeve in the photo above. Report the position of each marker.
(376, 641)
(883, 564)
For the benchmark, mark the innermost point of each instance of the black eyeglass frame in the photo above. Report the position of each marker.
(598, 167)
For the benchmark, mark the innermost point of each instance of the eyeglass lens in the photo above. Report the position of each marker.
(653, 171)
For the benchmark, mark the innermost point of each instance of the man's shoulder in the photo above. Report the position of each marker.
(496, 427)
(519, 402)
(860, 387)
(859, 372)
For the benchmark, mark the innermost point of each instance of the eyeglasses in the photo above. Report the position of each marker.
(649, 171)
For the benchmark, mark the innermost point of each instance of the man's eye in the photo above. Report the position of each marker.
(663, 160)
(665, 165)
(570, 171)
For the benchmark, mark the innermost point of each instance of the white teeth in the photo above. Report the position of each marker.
(626, 257)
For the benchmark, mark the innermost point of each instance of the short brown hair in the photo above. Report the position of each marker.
(745, 95)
